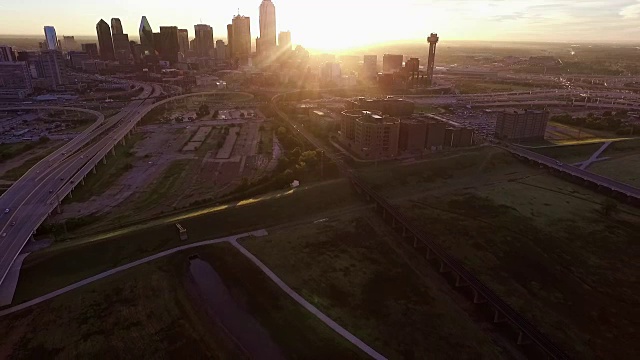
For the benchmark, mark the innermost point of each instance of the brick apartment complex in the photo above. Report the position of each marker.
(519, 125)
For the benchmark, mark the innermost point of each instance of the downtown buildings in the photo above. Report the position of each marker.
(241, 40)
(267, 40)
(105, 41)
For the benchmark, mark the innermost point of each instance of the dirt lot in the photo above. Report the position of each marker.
(541, 243)
(162, 165)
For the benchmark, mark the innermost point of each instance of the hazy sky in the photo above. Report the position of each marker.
(337, 24)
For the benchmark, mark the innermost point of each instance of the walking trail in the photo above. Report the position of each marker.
(233, 241)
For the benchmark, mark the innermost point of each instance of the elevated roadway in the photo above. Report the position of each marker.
(36, 194)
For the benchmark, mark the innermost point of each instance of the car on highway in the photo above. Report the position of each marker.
(13, 223)
(6, 211)
(559, 163)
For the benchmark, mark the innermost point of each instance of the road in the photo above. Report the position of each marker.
(599, 180)
(36, 194)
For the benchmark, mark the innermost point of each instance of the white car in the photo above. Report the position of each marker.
(6, 211)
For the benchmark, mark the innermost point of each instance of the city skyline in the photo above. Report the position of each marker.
(535, 20)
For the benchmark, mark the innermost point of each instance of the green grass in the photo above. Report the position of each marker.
(265, 146)
(52, 268)
(9, 151)
(489, 87)
(151, 311)
(570, 153)
(165, 185)
(347, 270)
(625, 169)
(14, 174)
(106, 174)
(541, 243)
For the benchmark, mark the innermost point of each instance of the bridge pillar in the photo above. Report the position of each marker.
(429, 254)
(443, 267)
(523, 339)
(404, 232)
(460, 282)
(104, 160)
(124, 142)
(477, 298)
(82, 181)
(113, 151)
(498, 317)
(70, 195)
(94, 170)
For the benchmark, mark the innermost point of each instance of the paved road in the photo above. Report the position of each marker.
(31, 199)
(595, 155)
(574, 171)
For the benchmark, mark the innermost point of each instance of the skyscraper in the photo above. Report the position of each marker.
(284, 40)
(267, 26)
(69, 43)
(121, 48)
(229, 41)
(370, 67)
(51, 39)
(105, 41)
(391, 63)
(241, 39)
(204, 40)
(183, 40)
(116, 26)
(50, 66)
(221, 50)
(91, 49)
(169, 46)
(7, 54)
(15, 79)
(146, 37)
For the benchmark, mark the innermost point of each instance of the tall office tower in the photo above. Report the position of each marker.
(284, 40)
(146, 37)
(7, 54)
(267, 26)
(241, 39)
(51, 39)
(15, 80)
(221, 50)
(136, 51)
(116, 26)
(91, 49)
(412, 67)
(391, 63)
(51, 64)
(121, 48)
(229, 41)
(433, 40)
(370, 67)
(69, 43)
(204, 40)
(105, 41)
(169, 46)
(183, 41)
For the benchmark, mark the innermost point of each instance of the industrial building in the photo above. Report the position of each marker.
(389, 106)
(519, 125)
(376, 136)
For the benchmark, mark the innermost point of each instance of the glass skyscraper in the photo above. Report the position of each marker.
(105, 42)
(146, 36)
(267, 25)
(51, 39)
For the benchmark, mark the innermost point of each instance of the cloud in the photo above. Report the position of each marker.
(631, 11)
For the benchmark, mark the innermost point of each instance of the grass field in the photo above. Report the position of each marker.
(541, 243)
(625, 169)
(347, 270)
(570, 153)
(162, 186)
(16, 173)
(51, 269)
(149, 312)
(106, 174)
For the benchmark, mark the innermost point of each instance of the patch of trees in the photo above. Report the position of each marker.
(607, 121)
(203, 110)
